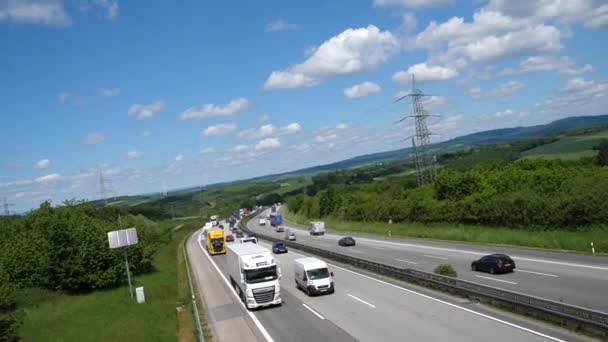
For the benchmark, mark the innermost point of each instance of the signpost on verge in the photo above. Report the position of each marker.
(124, 238)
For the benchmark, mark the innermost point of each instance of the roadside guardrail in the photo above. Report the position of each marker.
(574, 317)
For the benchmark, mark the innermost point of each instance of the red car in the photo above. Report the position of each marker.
(230, 238)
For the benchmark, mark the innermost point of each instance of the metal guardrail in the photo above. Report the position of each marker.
(197, 319)
(590, 321)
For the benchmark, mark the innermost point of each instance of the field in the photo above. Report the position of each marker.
(556, 240)
(568, 147)
(110, 315)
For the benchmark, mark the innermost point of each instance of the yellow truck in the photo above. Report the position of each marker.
(215, 242)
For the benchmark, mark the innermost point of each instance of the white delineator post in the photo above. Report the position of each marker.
(592, 248)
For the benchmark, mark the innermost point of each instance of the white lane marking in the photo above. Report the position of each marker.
(498, 320)
(361, 300)
(500, 280)
(543, 274)
(313, 311)
(435, 256)
(356, 251)
(407, 261)
(464, 251)
(253, 317)
(378, 247)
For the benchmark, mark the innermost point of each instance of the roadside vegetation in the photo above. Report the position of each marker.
(60, 280)
(482, 195)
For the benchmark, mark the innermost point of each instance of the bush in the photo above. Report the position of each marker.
(446, 270)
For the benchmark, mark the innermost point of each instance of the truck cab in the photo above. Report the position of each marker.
(215, 242)
(255, 274)
(313, 276)
(317, 228)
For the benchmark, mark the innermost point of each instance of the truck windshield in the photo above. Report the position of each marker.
(218, 244)
(261, 274)
(319, 273)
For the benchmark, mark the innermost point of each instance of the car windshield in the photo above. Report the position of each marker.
(318, 273)
(261, 274)
(218, 244)
(279, 245)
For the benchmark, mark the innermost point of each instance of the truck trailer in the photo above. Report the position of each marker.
(254, 274)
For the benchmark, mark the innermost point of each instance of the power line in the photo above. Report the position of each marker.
(421, 140)
(105, 186)
(6, 207)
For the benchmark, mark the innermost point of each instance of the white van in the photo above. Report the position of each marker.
(312, 276)
(251, 239)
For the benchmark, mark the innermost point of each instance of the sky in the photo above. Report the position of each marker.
(188, 93)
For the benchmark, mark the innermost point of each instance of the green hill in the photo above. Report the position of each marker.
(569, 146)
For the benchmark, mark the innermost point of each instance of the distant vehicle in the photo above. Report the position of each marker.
(280, 229)
(494, 263)
(234, 230)
(279, 247)
(276, 220)
(229, 238)
(215, 220)
(262, 221)
(346, 241)
(312, 276)
(221, 226)
(207, 227)
(239, 234)
(273, 209)
(215, 242)
(290, 235)
(254, 274)
(250, 239)
(232, 219)
(317, 228)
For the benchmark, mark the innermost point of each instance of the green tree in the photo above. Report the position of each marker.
(602, 155)
(10, 317)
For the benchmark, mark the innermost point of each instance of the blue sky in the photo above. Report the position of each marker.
(195, 92)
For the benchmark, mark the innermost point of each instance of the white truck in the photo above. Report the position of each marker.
(208, 226)
(317, 228)
(215, 220)
(313, 276)
(254, 274)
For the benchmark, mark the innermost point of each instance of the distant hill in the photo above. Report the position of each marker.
(494, 136)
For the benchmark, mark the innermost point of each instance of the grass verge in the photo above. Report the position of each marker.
(555, 239)
(111, 315)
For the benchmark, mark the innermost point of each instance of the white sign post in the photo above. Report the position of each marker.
(124, 238)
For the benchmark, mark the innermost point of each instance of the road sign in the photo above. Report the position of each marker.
(122, 238)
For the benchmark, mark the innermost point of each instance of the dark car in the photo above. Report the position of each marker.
(234, 230)
(230, 238)
(239, 234)
(346, 241)
(494, 263)
(279, 247)
(221, 226)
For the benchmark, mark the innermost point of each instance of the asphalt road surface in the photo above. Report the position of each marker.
(365, 308)
(575, 279)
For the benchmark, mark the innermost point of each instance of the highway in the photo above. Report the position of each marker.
(365, 308)
(575, 279)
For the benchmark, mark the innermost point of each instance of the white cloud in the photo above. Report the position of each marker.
(268, 144)
(146, 111)
(565, 65)
(361, 90)
(40, 12)
(219, 129)
(293, 127)
(279, 25)
(491, 35)
(453, 118)
(93, 139)
(352, 51)
(207, 150)
(47, 179)
(409, 23)
(262, 132)
(321, 138)
(110, 6)
(342, 126)
(109, 92)
(301, 148)
(592, 13)
(266, 130)
(578, 84)
(264, 117)
(179, 157)
(238, 148)
(133, 154)
(145, 134)
(504, 90)
(42, 164)
(424, 72)
(411, 3)
(211, 110)
(64, 96)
